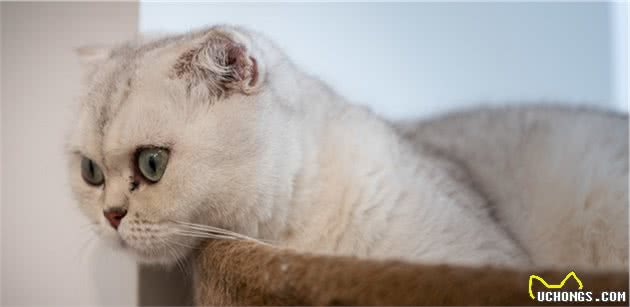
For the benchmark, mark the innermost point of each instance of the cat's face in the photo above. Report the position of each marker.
(178, 132)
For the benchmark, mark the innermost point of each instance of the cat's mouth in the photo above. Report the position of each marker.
(167, 242)
(157, 250)
(153, 242)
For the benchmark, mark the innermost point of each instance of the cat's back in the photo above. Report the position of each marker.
(556, 177)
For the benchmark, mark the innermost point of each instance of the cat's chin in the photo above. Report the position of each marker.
(154, 257)
(164, 256)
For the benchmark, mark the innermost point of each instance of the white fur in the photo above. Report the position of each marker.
(290, 162)
(556, 178)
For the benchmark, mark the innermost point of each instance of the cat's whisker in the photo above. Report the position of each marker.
(181, 244)
(222, 232)
(204, 226)
(204, 235)
(87, 242)
(200, 228)
(207, 235)
(181, 230)
(179, 258)
(211, 229)
(173, 254)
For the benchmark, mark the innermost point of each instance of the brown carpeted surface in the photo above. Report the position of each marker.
(247, 273)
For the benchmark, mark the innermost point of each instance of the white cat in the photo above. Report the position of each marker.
(217, 128)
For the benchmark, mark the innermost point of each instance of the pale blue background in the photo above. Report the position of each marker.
(418, 59)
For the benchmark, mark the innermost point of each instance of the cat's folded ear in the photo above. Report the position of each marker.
(92, 54)
(222, 61)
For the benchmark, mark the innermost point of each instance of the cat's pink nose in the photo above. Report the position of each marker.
(114, 216)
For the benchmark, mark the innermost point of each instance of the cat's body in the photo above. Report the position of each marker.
(260, 148)
(556, 178)
(359, 191)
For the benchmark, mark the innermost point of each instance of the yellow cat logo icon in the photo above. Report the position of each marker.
(558, 286)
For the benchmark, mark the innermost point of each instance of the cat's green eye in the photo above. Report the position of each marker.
(91, 173)
(152, 163)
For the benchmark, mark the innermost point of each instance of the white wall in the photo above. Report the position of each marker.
(49, 256)
(619, 24)
(1, 288)
(416, 59)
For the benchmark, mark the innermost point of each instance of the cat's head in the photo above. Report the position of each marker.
(184, 129)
